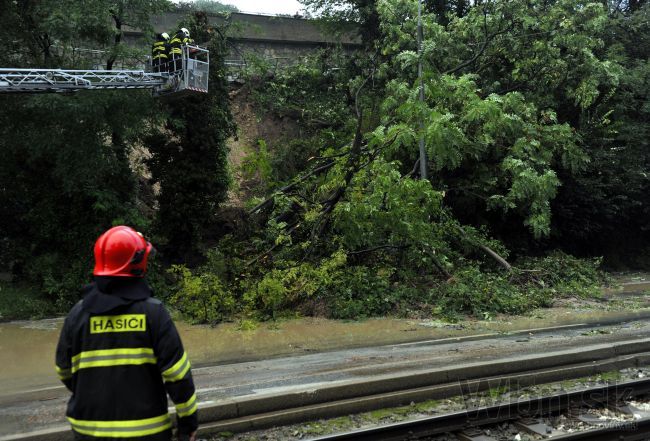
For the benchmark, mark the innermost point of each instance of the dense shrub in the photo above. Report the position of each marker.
(201, 297)
(339, 289)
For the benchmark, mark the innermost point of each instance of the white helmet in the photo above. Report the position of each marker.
(186, 32)
(165, 35)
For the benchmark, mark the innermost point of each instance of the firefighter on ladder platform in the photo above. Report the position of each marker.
(181, 37)
(160, 53)
(120, 354)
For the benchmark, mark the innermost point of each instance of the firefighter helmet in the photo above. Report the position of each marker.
(121, 252)
(185, 32)
(165, 35)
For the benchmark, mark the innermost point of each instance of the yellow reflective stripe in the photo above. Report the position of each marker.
(60, 370)
(113, 357)
(122, 423)
(122, 429)
(115, 362)
(63, 374)
(118, 351)
(187, 408)
(178, 370)
(189, 411)
(175, 366)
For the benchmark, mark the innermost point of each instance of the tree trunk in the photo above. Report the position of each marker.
(116, 42)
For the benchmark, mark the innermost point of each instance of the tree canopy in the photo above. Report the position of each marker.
(522, 119)
(73, 165)
(209, 6)
(533, 113)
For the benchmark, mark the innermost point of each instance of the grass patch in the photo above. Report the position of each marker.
(247, 325)
(611, 377)
(399, 413)
(496, 392)
(18, 302)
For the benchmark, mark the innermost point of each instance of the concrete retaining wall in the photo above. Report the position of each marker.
(282, 39)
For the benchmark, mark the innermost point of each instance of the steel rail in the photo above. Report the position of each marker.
(638, 430)
(481, 416)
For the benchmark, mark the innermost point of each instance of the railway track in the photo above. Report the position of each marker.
(349, 398)
(527, 415)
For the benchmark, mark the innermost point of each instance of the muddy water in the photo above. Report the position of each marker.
(27, 348)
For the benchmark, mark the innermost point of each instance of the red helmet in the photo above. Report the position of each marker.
(121, 252)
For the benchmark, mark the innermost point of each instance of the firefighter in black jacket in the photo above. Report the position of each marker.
(160, 52)
(175, 52)
(120, 354)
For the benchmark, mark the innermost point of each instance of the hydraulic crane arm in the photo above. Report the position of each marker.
(185, 75)
(59, 80)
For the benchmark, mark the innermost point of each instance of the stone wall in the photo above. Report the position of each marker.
(280, 40)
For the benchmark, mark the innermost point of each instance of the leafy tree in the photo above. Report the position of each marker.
(65, 174)
(361, 12)
(518, 121)
(190, 156)
(209, 6)
(554, 55)
(605, 206)
(63, 185)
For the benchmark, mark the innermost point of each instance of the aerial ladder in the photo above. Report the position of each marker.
(187, 75)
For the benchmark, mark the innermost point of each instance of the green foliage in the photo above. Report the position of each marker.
(202, 297)
(76, 164)
(19, 302)
(341, 288)
(66, 171)
(535, 283)
(534, 119)
(209, 6)
(257, 165)
(247, 325)
(189, 157)
(604, 208)
(281, 289)
(502, 123)
(481, 293)
(580, 121)
(309, 92)
(65, 174)
(563, 274)
(508, 152)
(361, 292)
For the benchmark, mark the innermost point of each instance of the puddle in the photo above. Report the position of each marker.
(638, 287)
(27, 347)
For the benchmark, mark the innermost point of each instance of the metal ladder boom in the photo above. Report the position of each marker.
(61, 80)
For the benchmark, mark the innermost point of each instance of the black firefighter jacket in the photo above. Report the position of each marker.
(175, 43)
(120, 355)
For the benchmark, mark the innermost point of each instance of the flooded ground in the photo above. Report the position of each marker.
(27, 348)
